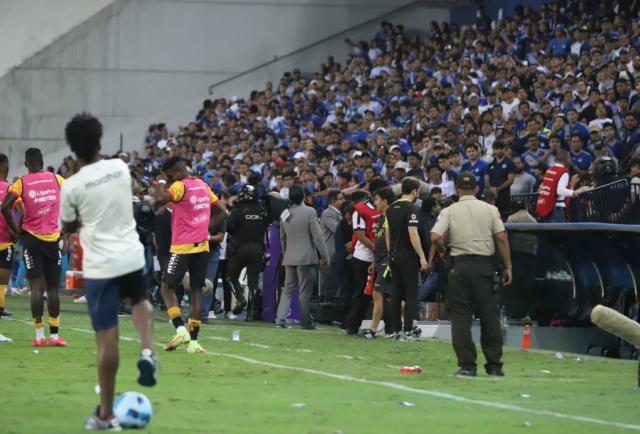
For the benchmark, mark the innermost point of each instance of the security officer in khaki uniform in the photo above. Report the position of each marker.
(474, 232)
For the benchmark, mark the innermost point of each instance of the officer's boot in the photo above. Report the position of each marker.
(241, 302)
(250, 305)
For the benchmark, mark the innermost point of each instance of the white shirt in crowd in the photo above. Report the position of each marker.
(361, 251)
(99, 197)
(562, 191)
(284, 192)
(509, 108)
(448, 188)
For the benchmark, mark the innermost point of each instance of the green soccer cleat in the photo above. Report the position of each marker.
(181, 337)
(195, 347)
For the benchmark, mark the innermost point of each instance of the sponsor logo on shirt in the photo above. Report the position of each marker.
(106, 178)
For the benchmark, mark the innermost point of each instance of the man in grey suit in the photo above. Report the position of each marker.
(329, 221)
(301, 239)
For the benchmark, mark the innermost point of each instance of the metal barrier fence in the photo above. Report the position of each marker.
(609, 203)
(529, 200)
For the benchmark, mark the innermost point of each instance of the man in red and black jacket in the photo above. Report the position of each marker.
(364, 217)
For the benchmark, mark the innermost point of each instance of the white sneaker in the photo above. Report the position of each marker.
(4, 339)
(82, 300)
(212, 315)
(230, 315)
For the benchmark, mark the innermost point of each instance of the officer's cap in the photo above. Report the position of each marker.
(466, 181)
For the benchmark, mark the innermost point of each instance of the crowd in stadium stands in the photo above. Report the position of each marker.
(498, 99)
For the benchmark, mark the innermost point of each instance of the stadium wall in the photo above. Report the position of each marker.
(142, 61)
(26, 26)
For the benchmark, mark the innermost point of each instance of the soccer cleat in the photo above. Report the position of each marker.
(53, 342)
(195, 347)
(464, 372)
(4, 312)
(415, 332)
(239, 308)
(495, 372)
(39, 343)
(400, 337)
(147, 366)
(366, 334)
(181, 337)
(94, 423)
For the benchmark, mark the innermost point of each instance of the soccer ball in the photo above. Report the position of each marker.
(133, 410)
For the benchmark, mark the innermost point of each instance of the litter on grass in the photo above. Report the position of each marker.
(345, 356)
(298, 405)
(526, 424)
(235, 336)
(544, 371)
(36, 352)
(525, 395)
(558, 356)
(407, 404)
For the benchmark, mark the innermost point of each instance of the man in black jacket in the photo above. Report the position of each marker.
(246, 226)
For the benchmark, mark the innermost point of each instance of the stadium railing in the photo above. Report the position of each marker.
(609, 203)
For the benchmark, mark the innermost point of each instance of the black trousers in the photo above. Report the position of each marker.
(471, 291)
(404, 282)
(359, 301)
(247, 255)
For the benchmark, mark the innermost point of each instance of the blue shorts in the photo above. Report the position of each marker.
(105, 295)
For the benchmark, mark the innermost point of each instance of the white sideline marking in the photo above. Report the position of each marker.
(403, 388)
(265, 347)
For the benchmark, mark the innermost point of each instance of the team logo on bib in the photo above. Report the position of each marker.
(193, 200)
(32, 194)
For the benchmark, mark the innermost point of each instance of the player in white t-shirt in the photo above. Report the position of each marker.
(97, 202)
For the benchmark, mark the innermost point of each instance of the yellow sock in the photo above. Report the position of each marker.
(173, 312)
(54, 323)
(194, 328)
(175, 316)
(3, 288)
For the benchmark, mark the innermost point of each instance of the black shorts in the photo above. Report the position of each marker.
(41, 258)
(6, 258)
(178, 265)
(383, 285)
(104, 297)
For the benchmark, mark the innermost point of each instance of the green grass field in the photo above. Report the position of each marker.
(346, 385)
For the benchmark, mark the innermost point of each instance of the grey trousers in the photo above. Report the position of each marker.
(303, 276)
